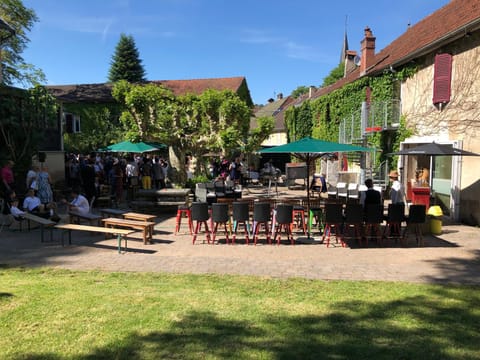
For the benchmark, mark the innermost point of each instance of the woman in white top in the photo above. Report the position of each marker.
(79, 203)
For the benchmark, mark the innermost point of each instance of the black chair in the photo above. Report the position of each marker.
(241, 216)
(373, 219)
(333, 220)
(220, 216)
(354, 220)
(261, 216)
(200, 215)
(416, 217)
(394, 219)
(283, 220)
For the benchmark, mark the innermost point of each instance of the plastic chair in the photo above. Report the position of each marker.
(261, 216)
(200, 214)
(373, 219)
(283, 220)
(416, 217)
(354, 219)
(333, 220)
(395, 217)
(316, 213)
(241, 216)
(183, 211)
(220, 216)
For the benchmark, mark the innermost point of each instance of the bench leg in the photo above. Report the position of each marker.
(119, 238)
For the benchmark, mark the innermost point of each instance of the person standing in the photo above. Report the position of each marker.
(158, 173)
(397, 191)
(371, 196)
(6, 174)
(44, 186)
(146, 171)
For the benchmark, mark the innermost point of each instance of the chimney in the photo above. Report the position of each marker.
(279, 96)
(311, 90)
(368, 51)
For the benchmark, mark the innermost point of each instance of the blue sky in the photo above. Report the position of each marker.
(277, 45)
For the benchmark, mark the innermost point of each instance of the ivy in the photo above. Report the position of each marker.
(328, 111)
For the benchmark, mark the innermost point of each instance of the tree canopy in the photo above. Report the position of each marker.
(212, 121)
(126, 63)
(13, 68)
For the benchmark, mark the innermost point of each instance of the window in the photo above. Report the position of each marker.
(442, 78)
(72, 123)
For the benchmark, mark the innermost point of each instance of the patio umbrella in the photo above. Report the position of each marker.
(309, 149)
(131, 147)
(434, 149)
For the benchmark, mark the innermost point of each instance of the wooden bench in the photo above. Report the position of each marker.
(76, 217)
(42, 222)
(108, 212)
(119, 232)
(145, 226)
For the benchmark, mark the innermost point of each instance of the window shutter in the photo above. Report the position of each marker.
(442, 78)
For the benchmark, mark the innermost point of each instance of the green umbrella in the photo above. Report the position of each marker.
(309, 149)
(131, 147)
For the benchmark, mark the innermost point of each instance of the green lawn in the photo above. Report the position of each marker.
(56, 314)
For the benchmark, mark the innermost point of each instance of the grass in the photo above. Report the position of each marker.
(59, 314)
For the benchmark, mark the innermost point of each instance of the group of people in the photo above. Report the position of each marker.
(227, 170)
(95, 171)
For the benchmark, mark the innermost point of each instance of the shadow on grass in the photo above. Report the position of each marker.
(417, 327)
(5, 295)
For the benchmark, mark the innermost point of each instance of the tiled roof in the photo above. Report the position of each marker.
(455, 19)
(456, 15)
(102, 93)
(198, 86)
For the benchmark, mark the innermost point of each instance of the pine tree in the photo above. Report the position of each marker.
(126, 63)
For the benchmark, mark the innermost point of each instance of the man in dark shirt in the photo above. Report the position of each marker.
(371, 196)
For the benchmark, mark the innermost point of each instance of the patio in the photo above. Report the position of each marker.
(452, 257)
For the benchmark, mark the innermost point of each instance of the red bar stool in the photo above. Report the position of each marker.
(298, 213)
(183, 211)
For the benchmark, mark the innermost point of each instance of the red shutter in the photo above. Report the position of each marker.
(442, 78)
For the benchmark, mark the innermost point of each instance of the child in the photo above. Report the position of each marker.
(15, 211)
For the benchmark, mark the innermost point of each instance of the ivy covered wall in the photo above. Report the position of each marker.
(100, 126)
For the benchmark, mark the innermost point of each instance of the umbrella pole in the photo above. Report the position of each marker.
(308, 194)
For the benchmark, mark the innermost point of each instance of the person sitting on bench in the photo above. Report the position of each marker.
(15, 211)
(32, 203)
(79, 203)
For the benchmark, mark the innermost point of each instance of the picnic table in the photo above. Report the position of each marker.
(144, 226)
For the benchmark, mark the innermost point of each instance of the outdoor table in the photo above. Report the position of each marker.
(141, 217)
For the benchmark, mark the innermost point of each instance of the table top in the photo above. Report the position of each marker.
(94, 228)
(118, 221)
(164, 192)
(112, 211)
(134, 216)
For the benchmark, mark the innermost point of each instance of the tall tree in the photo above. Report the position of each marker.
(17, 22)
(126, 63)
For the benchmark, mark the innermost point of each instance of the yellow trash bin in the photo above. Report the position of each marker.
(436, 220)
(436, 226)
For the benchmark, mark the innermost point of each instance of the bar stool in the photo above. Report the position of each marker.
(298, 212)
(373, 219)
(183, 211)
(333, 220)
(241, 216)
(283, 220)
(220, 216)
(395, 217)
(354, 219)
(261, 216)
(200, 214)
(416, 217)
